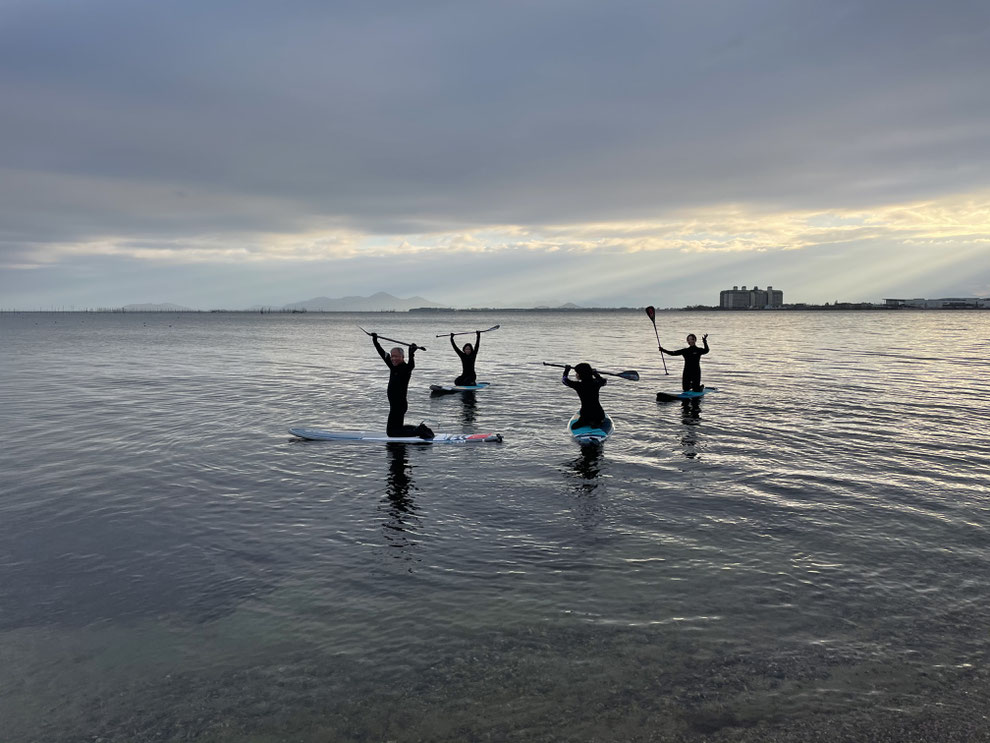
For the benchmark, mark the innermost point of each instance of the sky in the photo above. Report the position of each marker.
(235, 153)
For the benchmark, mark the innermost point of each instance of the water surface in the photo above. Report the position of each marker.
(801, 555)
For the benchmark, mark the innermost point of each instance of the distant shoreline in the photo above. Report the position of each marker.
(838, 307)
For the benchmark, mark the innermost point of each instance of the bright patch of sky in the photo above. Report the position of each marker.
(230, 154)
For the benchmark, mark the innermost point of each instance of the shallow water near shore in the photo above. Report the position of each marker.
(801, 555)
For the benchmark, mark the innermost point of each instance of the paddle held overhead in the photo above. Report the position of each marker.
(632, 376)
(468, 332)
(392, 340)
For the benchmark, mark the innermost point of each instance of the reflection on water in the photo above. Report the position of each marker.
(691, 418)
(400, 525)
(469, 400)
(586, 471)
(588, 466)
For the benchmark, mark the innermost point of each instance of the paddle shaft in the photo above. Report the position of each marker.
(392, 340)
(631, 375)
(653, 319)
(469, 332)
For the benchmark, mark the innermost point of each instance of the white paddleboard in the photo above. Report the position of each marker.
(319, 434)
(442, 389)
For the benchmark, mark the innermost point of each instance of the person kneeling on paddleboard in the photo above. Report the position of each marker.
(468, 355)
(398, 383)
(691, 378)
(587, 386)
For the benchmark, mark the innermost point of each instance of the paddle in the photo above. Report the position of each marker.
(469, 332)
(632, 376)
(652, 314)
(392, 340)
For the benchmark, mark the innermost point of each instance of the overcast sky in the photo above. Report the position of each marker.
(227, 154)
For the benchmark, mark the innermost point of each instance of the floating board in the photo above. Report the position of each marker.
(686, 395)
(446, 389)
(590, 434)
(317, 434)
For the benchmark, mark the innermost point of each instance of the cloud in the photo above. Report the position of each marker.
(501, 112)
(193, 134)
(955, 221)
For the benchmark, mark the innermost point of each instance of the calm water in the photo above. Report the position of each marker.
(801, 556)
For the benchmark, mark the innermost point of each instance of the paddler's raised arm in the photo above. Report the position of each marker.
(381, 351)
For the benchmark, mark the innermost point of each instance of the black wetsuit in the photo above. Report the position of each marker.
(468, 377)
(691, 378)
(592, 413)
(398, 384)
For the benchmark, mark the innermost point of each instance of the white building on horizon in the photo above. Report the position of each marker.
(750, 299)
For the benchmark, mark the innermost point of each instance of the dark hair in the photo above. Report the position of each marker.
(583, 370)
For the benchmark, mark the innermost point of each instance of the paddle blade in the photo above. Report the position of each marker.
(651, 313)
(632, 376)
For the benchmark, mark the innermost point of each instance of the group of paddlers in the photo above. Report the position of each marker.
(587, 385)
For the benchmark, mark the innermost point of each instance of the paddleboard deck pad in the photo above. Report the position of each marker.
(446, 389)
(318, 434)
(590, 434)
(686, 395)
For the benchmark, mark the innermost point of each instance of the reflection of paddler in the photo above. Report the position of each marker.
(400, 525)
(398, 476)
(467, 355)
(691, 378)
(589, 383)
(691, 418)
(400, 371)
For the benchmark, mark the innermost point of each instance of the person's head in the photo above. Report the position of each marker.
(692, 339)
(468, 348)
(583, 370)
(398, 355)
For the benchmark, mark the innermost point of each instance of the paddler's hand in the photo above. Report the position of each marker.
(374, 336)
(567, 368)
(704, 337)
(413, 347)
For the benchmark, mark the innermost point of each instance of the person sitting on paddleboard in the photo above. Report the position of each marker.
(589, 383)
(691, 378)
(468, 355)
(398, 383)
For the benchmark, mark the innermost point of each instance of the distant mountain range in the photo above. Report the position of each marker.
(380, 302)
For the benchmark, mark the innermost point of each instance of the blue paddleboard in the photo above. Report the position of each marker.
(590, 434)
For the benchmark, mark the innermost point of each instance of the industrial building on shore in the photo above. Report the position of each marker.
(945, 303)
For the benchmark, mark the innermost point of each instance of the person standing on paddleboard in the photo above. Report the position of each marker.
(589, 383)
(398, 384)
(691, 378)
(467, 356)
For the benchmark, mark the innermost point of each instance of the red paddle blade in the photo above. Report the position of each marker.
(651, 313)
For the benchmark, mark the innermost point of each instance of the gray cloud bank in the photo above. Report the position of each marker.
(161, 121)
